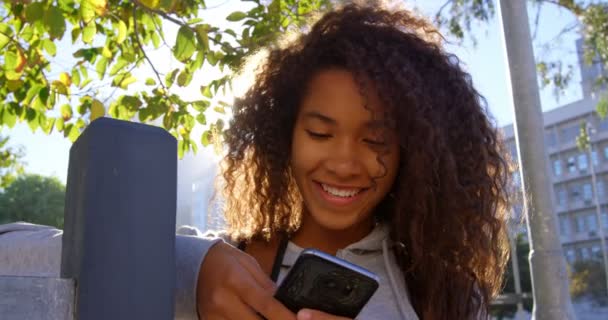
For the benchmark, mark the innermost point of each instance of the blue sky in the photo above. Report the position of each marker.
(485, 61)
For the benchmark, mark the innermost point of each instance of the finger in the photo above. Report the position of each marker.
(230, 307)
(308, 314)
(252, 266)
(263, 301)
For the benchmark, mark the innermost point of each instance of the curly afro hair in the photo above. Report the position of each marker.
(449, 201)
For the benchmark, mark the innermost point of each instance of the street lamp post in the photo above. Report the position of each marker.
(547, 265)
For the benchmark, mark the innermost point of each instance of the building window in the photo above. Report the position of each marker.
(605, 220)
(582, 162)
(587, 192)
(601, 189)
(564, 226)
(595, 158)
(585, 254)
(561, 196)
(557, 167)
(591, 222)
(606, 152)
(550, 139)
(570, 256)
(571, 165)
(595, 252)
(575, 192)
(580, 224)
(569, 134)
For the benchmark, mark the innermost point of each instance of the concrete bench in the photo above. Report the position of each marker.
(118, 246)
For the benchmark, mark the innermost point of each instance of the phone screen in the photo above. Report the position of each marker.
(326, 283)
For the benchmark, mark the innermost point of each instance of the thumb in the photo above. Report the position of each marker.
(308, 314)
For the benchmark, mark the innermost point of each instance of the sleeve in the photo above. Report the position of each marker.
(190, 251)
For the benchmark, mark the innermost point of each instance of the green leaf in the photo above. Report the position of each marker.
(32, 119)
(184, 44)
(236, 16)
(206, 91)
(602, 107)
(89, 31)
(122, 32)
(76, 77)
(184, 78)
(101, 66)
(155, 39)
(59, 124)
(206, 138)
(10, 60)
(201, 118)
(181, 147)
(66, 112)
(34, 12)
(3, 41)
(60, 88)
(170, 77)
(203, 36)
(49, 47)
(43, 94)
(150, 82)
(54, 22)
(118, 66)
(97, 110)
(125, 81)
(14, 85)
(200, 105)
(8, 118)
(87, 11)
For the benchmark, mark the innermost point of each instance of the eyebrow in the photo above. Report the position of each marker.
(372, 124)
(321, 117)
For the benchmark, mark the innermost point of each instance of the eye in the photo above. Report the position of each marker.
(318, 135)
(375, 143)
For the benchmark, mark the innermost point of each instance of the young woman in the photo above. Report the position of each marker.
(364, 139)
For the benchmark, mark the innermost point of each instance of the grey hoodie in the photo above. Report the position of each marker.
(34, 250)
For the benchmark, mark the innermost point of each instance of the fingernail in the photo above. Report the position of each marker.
(304, 314)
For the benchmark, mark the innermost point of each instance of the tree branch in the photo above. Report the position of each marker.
(576, 9)
(141, 47)
(443, 7)
(167, 16)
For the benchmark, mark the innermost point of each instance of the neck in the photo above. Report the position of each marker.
(312, 235)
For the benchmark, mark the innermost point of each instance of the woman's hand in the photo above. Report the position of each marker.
(306, 314)
(232, 286)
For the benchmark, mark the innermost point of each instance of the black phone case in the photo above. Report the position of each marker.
(317, 283)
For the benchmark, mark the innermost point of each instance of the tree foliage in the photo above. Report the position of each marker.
(588, 280)
(592, 24)
(35, 199)
(10, 162)
(53, 86)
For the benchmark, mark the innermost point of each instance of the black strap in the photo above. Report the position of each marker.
(278, 258)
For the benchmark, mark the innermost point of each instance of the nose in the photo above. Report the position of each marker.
(344, 160)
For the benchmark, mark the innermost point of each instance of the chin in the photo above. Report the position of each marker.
(337, 221)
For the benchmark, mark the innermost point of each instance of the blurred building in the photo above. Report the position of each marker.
(569, 167)
(198, 204)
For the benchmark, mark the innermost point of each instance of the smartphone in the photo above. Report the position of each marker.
(323, 282)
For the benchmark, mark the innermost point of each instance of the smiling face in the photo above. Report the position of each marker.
(334, 156)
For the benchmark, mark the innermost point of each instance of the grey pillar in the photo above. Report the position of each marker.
(119, 240)
(547, 265)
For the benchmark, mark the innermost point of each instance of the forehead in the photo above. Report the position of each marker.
(340, 95)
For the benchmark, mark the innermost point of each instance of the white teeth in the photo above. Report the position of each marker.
(345, 193)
